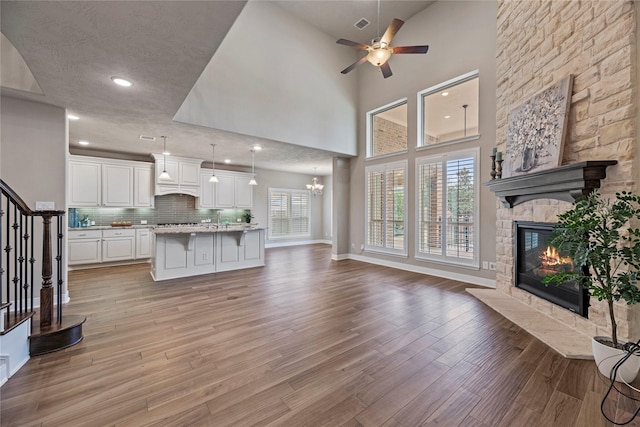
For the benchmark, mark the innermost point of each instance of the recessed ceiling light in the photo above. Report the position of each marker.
(447, 117)
(147, 138)
(227, 161)
(257, 147)
(121, 82)
(73, 117)
(445, 93)
(83, 142)
(166, 153)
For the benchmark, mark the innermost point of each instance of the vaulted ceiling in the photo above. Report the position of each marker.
(169, 50)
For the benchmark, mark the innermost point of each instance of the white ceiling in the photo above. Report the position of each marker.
(73, 48)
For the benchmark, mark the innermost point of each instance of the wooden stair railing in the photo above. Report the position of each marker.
(17, 269)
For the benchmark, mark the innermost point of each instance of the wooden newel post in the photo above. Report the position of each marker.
(46, 292)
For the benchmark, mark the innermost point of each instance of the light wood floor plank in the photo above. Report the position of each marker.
(303, 341)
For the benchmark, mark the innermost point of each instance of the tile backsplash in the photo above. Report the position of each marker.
(172, 208)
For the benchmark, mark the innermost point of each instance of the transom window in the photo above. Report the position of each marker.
(449, 111)
(447, 203)
(387, 129)
(289, 213)
(386, 207)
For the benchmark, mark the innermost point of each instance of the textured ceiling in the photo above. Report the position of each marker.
(73, 48)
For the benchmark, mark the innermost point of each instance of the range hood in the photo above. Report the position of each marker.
(184, 175)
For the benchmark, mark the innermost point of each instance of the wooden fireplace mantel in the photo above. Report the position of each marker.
(563, 183)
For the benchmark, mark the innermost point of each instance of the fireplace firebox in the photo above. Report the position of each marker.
(535, 258)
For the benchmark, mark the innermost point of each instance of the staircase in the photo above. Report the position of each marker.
(23, 332)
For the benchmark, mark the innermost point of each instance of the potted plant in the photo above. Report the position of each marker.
(247, 217)
(599, 234)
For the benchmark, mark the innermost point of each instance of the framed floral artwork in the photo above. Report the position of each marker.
(537, 129)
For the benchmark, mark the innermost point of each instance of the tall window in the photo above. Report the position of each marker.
(449, 111)
(289, 213)
(386, 207)
(447, 201)
(387, 129)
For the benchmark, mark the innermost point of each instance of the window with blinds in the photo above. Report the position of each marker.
(386, 206)
(447, 200)
(289, 214)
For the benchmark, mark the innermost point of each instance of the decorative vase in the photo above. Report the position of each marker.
(606, 357)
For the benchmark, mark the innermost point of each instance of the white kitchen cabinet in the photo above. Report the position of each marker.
(118, 244)
(233, 190)
(239, 249)
(184, 173)
(117, 185)
(143, 187)
(85, 184)
(143, 243)
(243, 192)
(206, 196)
(98, 182)
(85, 246)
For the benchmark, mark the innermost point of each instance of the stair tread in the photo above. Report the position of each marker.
(13, 320)
(68, 322)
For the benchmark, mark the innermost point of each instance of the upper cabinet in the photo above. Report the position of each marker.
(84, 184)
(97, 182)
(184, 175)
(231, 191)
(117, 185)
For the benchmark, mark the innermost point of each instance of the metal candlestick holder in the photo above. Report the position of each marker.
(499, 168)
(493, 167)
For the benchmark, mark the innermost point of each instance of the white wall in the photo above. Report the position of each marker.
(34, 146)
(255, 86)
(462, 37)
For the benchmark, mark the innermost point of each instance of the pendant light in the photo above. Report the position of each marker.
(253, 173)
(164, 175)
(213, 178)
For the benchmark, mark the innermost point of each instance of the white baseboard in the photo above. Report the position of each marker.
(339, 257)
(489, 283)
(295, 243)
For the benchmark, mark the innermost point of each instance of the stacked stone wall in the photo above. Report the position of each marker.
(538, 44)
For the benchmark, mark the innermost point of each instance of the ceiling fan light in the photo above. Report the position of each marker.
(379, 55)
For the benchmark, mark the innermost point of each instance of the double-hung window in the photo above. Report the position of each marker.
(386, 206)
(289, 213)
(447, 203)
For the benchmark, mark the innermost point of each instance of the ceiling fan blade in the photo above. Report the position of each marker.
(352, 44)
(410, 49)
(354, 65)
(386, 69)
(391, 31)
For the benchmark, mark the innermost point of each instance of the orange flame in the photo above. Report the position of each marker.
(551, 257)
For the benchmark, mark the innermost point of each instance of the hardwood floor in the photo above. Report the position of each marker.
(304, 341)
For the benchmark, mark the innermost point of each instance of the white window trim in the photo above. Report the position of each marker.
(425, 92)
(369, 132)
(289, 236)
(377, 168)
(443, 259)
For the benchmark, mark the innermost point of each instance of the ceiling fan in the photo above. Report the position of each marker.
(379, 50)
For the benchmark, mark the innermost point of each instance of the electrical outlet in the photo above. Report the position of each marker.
(485, 265)
(143, 221)
(362, 247)
(353, 246)
(492, 266)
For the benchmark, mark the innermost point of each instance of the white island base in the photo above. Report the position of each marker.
(190, 253)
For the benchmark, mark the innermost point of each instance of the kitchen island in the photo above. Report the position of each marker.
(191, 251)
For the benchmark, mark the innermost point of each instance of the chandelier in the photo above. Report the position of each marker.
(315, 187)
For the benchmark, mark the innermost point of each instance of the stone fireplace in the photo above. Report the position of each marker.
(538, 44)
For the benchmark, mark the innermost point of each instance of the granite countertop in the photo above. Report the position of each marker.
(108, 227)
(210, 228)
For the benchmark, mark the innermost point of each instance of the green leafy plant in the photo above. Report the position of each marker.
(247, 216)
(598, 233)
